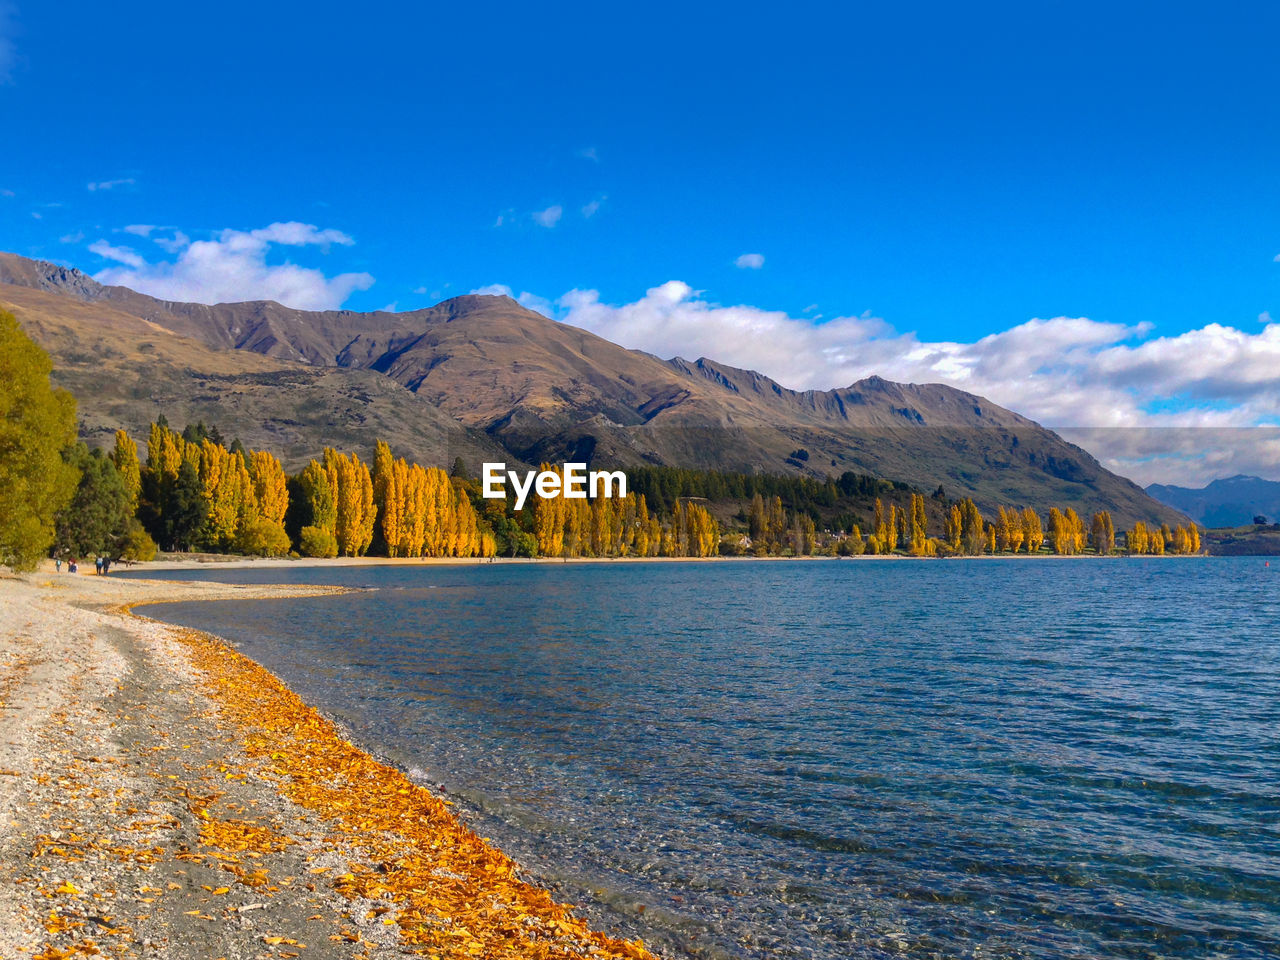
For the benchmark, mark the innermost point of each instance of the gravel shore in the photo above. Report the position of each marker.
(163, 796)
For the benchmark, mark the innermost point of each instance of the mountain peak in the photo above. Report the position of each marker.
(45, 275)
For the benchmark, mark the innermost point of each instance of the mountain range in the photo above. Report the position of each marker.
(484, 378)
(1230, 502)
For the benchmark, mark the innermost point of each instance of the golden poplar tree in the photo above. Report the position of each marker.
(352, 488)
(954, 528)
(219, 482)
(165, 453)
(891, 529)
(125, 457)
(974, 532)
(777, 525)
(920, 544)
(1102, 533)
(1032, 530)
(270, 487)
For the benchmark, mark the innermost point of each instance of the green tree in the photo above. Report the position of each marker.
(97, 520)
(312, 512)
(186, 509)
(36, 423)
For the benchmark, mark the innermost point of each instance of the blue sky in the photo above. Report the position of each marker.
(932, 175)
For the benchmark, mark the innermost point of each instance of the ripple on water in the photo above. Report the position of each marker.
(831, 760)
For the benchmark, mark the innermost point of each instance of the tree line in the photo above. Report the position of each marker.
(967, 533)
(196, 491)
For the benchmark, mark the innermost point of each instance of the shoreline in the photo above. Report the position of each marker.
(233, 562)
(165, 796)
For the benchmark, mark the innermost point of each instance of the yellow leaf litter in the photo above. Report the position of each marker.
(450, 892)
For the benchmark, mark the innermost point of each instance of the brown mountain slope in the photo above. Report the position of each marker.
(546, 390)
(125, 371)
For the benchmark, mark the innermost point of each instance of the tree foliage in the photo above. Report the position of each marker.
(125, 458)
(37, 422)
(97, 520)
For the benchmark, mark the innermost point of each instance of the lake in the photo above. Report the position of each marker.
(830, 759)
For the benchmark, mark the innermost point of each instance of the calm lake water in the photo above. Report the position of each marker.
(1075, 758)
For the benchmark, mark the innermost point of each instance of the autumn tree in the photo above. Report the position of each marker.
(973, 536)
(316, 513)
(803, 535)
(386, 530)
(1059, 536)
(756, 520)
(777, 525)
(1009, 530)
(1102, 533)
(171, 502)
(1032, 530)
(125, 457)
(37, 422)
(262, 532)
(352, 488)
(954, 530)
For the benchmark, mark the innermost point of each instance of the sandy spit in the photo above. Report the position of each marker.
(163, 796)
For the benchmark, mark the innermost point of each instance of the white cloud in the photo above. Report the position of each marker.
(530, 301)
(1264, 316)
(589, 153)
(139, 229)
(750, 261)
(548, 217)
(233, 267)
(492, 290)
(125, 255)
(173, 244)
(420, 290)
(71, 237)
(592, 208)
(7, 193)
(110, 184)
(1167, 408)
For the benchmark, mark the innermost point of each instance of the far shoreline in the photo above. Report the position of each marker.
(231, 562)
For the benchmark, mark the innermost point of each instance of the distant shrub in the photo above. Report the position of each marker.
(262, 538)
(317, 542)
(137, 544)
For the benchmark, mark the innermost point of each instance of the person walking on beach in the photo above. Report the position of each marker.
(97, 565)
(71, 567)
(57, 564)
(106, 566)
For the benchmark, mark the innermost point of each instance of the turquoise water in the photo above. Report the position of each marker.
(1075, 758)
